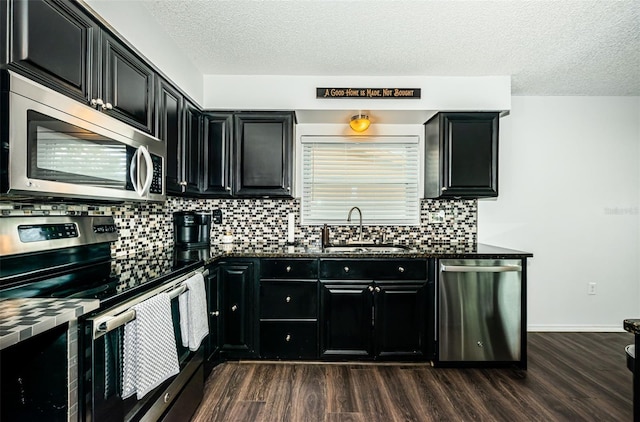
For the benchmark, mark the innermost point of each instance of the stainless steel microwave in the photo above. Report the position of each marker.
(56, 147)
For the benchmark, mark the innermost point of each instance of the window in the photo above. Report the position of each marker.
(377, 174)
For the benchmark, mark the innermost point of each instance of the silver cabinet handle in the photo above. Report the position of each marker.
(480, 344)
(288, 337)
(287, 299)
(478, 269)
(214, 313)
(228, 188)
(288, 269)
(288, 188)
(443, 188)
(167, 397)
(96, 102)
(346, 269)
(107, 106)
(377, 289)
(401, 269)
(370, 288)
(234, 307)
(183, 186)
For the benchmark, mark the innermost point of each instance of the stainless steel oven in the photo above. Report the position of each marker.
(59, 256)
(104, 337)
(54, 146)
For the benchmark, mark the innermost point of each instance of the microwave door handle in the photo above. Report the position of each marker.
(149, 179)
(133, 173)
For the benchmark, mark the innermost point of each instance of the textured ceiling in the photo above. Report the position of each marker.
(548, 47)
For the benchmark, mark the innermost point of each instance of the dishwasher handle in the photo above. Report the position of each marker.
(479, 269)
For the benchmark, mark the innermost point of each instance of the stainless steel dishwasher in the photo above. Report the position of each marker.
(480, 310)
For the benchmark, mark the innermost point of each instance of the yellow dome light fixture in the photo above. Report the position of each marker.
(360, 122)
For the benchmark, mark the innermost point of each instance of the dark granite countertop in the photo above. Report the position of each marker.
(460, 251)
(632, 325)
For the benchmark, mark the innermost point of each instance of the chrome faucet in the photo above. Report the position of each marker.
(349, 220)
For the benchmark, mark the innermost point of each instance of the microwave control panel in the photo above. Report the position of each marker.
(156, 180)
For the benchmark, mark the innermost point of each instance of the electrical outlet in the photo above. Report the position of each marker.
(217, 216)
(436, 217)
(591, 288)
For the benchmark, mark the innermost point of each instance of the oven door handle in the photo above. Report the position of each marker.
(122, 314)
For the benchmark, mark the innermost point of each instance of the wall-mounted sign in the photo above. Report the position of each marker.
(386, 93)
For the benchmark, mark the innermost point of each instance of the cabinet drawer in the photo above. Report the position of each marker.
(289, 340)
(288, 299)
(289, 268)
(373, 270)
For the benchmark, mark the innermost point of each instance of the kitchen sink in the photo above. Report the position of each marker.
(365, 248)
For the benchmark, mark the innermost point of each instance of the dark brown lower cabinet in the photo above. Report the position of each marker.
(288, 312)
(288, 339)
(374, 320)
(400, 320)
(212, 350)
(237, 327)
(347, 320)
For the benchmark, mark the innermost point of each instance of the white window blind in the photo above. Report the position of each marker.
(379, 175)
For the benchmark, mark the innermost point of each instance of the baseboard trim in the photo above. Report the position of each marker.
(576, 328)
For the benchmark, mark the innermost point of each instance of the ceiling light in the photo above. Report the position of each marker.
(360, 122)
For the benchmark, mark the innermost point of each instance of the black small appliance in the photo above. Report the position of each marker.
(191, 229)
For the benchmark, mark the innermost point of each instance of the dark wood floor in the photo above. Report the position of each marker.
(571, 377)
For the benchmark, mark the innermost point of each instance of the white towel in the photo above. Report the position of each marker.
(150, 355)
(194, 323)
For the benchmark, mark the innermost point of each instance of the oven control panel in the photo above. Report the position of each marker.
(40, 232)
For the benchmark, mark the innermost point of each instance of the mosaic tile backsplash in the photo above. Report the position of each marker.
(150, 225)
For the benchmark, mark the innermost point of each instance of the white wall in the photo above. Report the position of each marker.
(289, 92)
(144, 33)
(569, 193)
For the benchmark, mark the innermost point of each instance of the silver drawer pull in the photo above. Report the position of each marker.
(288, 337)
(346, 269)
(288, 269)
(377, 289)
(234, 308)
(167, 397)
(288, 299)
(214, 313)
(370, 288)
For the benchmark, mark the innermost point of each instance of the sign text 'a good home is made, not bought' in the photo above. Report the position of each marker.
(384, 93)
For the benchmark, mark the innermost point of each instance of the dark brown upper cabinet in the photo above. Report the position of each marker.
(169, 124)
(461, 155)
(263, 154)
(248, 154)
(218, 130)
(53, 43)
(59, 45)
(127, 84)
(190, 154)
(179, 125)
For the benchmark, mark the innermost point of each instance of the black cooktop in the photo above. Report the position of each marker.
(91, 273)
